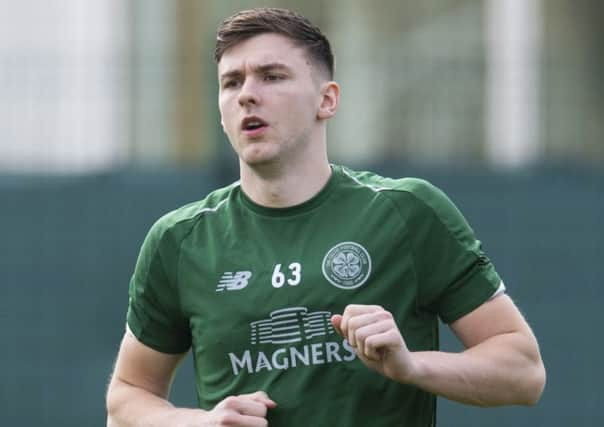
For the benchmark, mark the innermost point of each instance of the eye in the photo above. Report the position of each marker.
(272, 77)
(231, 83)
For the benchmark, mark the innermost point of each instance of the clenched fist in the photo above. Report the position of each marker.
(376, 339)
(245, 410)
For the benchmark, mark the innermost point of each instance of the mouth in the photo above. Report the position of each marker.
(253, 126)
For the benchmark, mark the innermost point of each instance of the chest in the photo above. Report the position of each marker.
(259, 293)
(242, 272)
(321, 260)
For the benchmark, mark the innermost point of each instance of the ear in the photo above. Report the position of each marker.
(330, 100)
(221, 121)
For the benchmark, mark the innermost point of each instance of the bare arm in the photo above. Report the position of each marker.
(140, 385)
(139, 388)
(500, 366)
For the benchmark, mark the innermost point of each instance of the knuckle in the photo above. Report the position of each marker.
(386, 315)
(352, 309)
(226, 419)
(262, 412)
(229, 402)
(392, 336)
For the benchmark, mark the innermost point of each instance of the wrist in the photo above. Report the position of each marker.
(412, 369)
(186, 417)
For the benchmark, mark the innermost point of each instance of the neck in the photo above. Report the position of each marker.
(279, 186)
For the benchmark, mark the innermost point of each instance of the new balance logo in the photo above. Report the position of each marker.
(233, 281)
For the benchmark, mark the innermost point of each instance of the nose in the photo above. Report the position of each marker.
(248, 95)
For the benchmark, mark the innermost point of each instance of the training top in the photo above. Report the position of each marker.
(250, 291)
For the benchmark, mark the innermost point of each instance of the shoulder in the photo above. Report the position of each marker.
(419, 202)
(410, 191)
(179, 222)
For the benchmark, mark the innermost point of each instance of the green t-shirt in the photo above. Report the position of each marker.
(251, 290)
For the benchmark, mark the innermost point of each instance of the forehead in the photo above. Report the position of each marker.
(262, 49)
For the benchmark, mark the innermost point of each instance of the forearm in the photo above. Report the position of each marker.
(130, 406)
(502, 370)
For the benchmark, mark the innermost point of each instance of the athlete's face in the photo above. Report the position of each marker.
(270, 98)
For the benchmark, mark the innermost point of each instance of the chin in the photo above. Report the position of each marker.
(257, 156)
(259, 162)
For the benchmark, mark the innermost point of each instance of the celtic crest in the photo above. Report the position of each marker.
(347, 265)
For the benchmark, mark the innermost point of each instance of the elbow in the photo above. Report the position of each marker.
(538, 384)
(534, 378)
(110, 408)
(111, 422)
(112, 402)
(534, 386)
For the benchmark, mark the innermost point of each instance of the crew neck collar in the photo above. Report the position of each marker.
(298, 209)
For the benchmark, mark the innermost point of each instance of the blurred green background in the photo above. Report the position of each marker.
(108, 119)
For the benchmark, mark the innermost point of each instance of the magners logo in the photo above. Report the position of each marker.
(287, 327)
(290, 325)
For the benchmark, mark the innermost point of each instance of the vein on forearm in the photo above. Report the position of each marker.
(503, 369)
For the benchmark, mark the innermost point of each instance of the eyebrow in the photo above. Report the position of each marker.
(271, 66)
(259, 69)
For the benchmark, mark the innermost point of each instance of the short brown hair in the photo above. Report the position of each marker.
(249, 23)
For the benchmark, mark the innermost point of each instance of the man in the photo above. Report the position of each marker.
(308, 293)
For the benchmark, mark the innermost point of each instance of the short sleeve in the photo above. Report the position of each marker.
(453, 273)
(154, 314)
